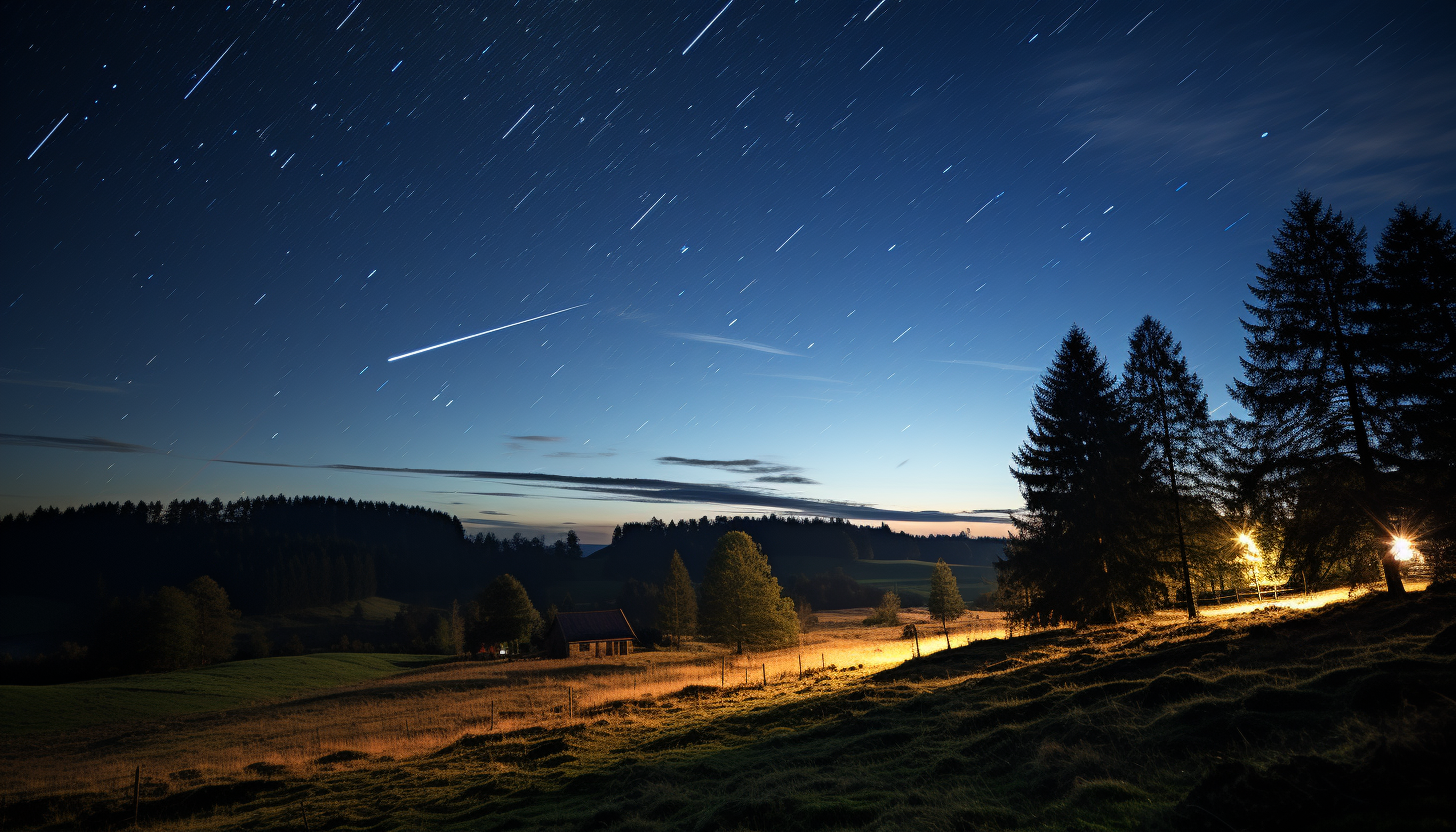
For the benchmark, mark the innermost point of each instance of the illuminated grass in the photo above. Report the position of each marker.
(1333, 719)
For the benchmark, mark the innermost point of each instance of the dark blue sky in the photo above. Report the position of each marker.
(824, 253)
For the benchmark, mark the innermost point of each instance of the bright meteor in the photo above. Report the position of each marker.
(487, 332)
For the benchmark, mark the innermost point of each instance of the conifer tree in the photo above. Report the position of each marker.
(1306, 375)
(1165, 399)
(1077, 554)
(1413, 333)
(677, 610)
(945, 597)
(742, 602)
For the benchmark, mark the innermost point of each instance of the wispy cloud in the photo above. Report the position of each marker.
(737, 466)
(995, 365)
(537, 438)
(580, 454)
(629, 489)
(69, 443)
(730, 342)
(1388, 135)
(799, 378)
(64, 385)
(787, 478)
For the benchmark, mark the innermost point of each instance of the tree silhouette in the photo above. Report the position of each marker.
(505, 614)
(1165, 399)
(1306, 372)
(677, 608)
(742, 602)
(216, 619)
(945, 597)
(1077, 553)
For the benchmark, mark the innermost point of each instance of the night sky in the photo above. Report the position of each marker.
(819, 252)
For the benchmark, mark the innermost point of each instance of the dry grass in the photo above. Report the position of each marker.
(1340, 718)
(416, 713)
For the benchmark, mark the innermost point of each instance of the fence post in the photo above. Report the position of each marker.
(136, 797)
(765, 675)
(722, 673)
(801, 665)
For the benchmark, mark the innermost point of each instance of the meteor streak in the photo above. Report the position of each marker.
(710, 24)
(1083, 144)
(645, 213)
(487, 332)
(347, 16)
(210, 69)
(521, 119)
(47, 138)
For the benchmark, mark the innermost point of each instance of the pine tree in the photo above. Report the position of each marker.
(1413, 333)
(742, 602)
(945, 597)
(1166, 400)
(1077, 553)
(1306, 374)
(506, 615)
(677, 610)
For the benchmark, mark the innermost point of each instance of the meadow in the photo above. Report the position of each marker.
(1335, 717)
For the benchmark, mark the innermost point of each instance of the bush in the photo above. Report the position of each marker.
(887, 613)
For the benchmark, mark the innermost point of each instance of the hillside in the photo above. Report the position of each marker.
(1338, 718)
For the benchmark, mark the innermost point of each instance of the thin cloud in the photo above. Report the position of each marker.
(787, 478)
(69, 443)
(580, 454)
(995, 365)
(537, 438)
(799, 378)
(64, 385)
(629, 489)
(730, 342)
(736, 466)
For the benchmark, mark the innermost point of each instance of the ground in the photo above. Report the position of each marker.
(1340, 717)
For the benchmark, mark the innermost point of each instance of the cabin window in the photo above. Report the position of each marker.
(584, 647)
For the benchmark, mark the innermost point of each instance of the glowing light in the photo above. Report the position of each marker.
(1402, 549)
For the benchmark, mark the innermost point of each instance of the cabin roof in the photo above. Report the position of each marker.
(598, 625)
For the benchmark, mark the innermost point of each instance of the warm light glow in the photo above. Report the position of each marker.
(1402, 549)
(1249, 544)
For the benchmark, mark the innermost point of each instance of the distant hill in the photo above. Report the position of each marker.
(276, 554)
(643, 548)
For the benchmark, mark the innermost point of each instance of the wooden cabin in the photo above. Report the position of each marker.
(590, 635)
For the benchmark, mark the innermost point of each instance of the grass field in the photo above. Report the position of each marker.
(28, 709)
(1335, 718)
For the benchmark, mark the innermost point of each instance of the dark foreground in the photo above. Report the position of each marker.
(1340, 718)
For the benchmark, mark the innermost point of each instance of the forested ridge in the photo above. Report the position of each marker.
(278, 553)
(271, 553)
(644, 548)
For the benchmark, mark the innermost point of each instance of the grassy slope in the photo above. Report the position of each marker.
(1341, 718)
(28, 709)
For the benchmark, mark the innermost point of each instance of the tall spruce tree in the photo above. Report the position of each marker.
(1306, 373)
(1078, 554)
(945, 597)
(677, 607)
(1165, 399)
(742, 602)
(1413, 333)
